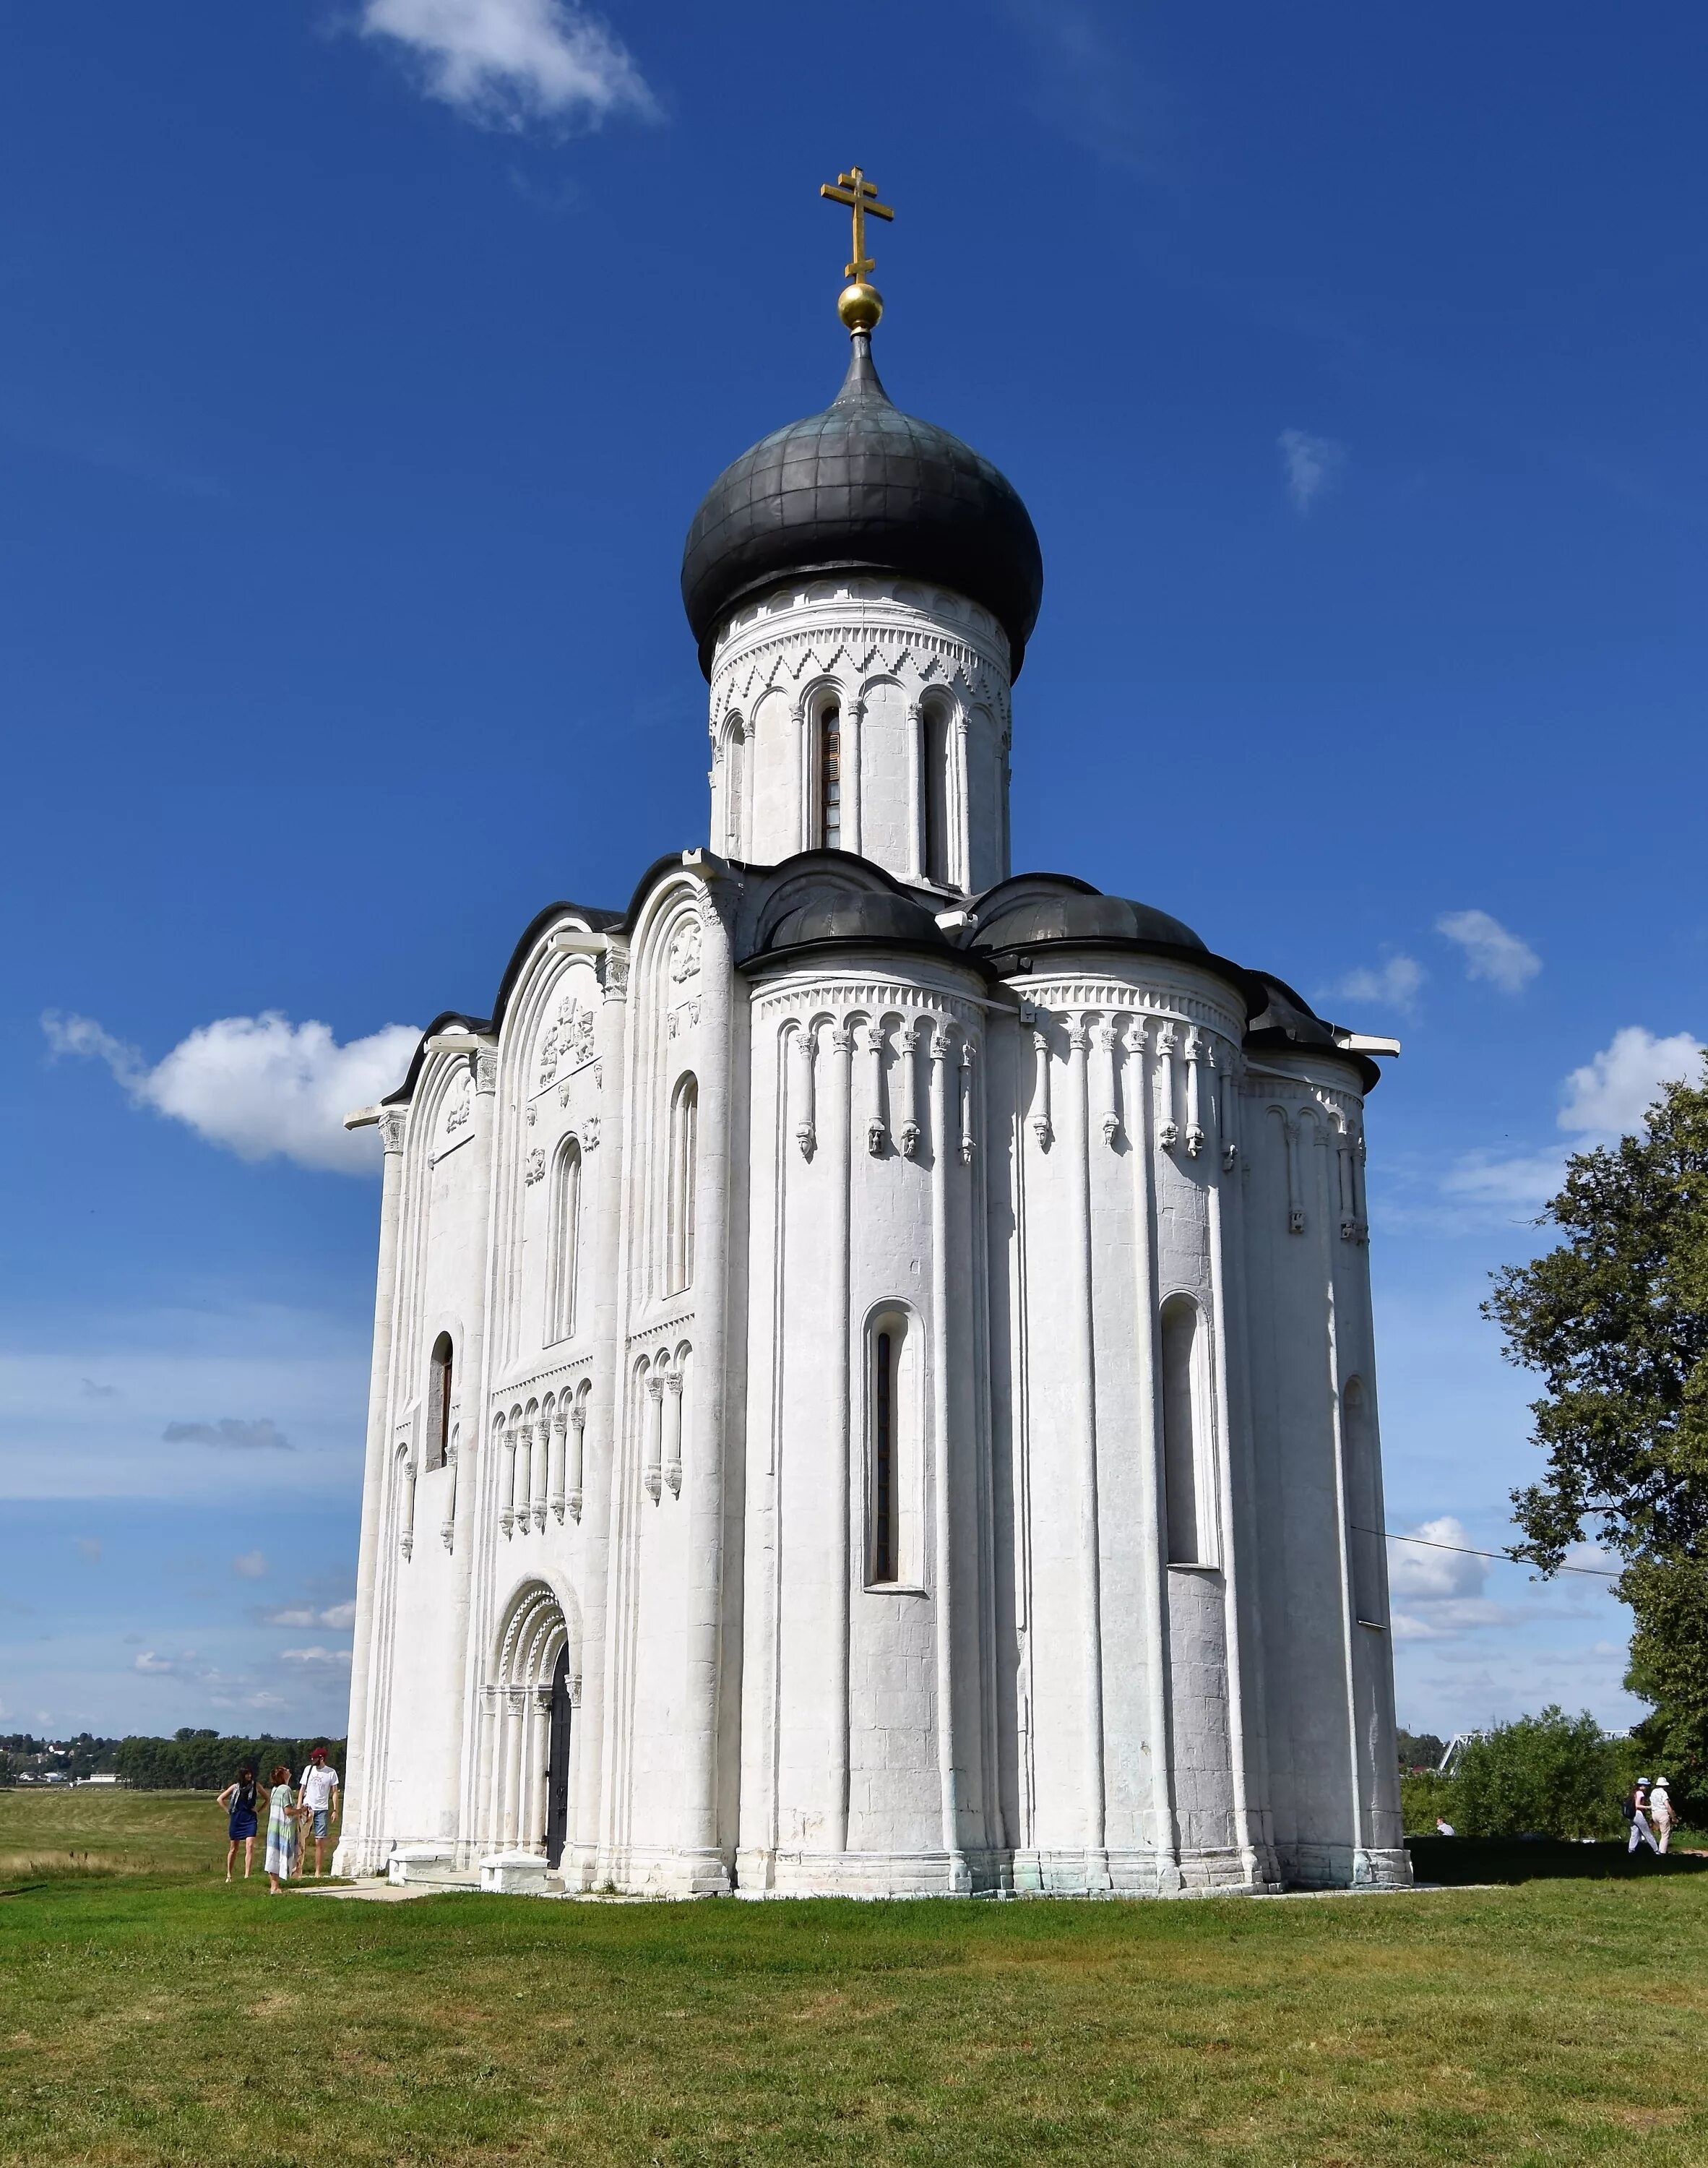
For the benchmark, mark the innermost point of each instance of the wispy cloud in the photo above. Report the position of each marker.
(91, 1391)
(336, 1615)
(1087, 81)
(1610, 1095)
(259, 1085)
(316, 1659)
(251, 1565)
(1392, 985)
(88, 1548)
(1491, 953)
(507, 63)
(1312, 467)
(263, 1433)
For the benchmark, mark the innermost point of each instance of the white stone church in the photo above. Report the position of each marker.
(874, 1387)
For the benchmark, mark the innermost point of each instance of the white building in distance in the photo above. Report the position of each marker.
(874, 1387)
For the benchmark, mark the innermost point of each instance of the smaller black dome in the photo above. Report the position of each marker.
(1038, 915)
(857, 915)
(863, 487)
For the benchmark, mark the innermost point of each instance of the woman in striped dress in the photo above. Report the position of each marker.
(282, 1821)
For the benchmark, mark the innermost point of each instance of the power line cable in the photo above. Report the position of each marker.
(1429, 1542)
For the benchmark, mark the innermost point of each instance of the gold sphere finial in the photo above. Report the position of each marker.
(860, 305)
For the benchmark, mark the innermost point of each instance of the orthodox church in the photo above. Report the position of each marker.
(874, 1388)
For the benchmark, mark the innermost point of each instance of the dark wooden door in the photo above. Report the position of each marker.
(557, 1786)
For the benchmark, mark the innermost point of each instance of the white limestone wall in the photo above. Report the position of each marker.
(867, 1747)
(411, 1751)
(1333, 1777)
(1125, 1698)
(918, 677)
(669, 1480)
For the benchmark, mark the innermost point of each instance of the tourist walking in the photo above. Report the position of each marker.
(1636, 1801)
(319, 1799)
(1661, 1815)
(283, 1820)
(242, 1799)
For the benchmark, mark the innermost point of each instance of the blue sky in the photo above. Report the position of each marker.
(363, 363)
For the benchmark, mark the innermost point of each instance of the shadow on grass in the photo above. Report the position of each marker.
(1460, 1860)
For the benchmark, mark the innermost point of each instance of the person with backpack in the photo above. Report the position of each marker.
(242, 1799)
(1636, 1812)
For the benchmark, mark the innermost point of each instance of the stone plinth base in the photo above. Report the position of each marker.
(518, 1873)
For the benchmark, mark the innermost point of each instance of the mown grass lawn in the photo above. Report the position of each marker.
(166, 2019)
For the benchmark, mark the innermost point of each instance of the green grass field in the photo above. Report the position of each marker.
(162, 2017)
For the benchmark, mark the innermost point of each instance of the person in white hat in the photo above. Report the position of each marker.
(1661, 1813)
(1636, 1801)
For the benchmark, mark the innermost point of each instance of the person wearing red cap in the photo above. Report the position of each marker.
(319, 1799)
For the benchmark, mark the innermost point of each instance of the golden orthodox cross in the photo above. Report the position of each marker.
(860, 196)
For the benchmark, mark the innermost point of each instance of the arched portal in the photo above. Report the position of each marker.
(527, 1710)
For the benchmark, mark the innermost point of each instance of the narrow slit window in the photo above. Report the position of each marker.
(1358, 1442)
(1180, 1432)
(830, 777)
(684, 1153)
(935, 771)
(735, 753)
(440, 1367)
(893, 1458)
(883, 1499)
(565, 1240)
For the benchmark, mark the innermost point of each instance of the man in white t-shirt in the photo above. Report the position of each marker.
(319, 1797)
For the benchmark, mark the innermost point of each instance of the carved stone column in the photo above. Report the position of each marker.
(654, 1417)
(673, 1456)
(578, 1427)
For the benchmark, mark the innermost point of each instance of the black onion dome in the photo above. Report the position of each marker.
(863, 487)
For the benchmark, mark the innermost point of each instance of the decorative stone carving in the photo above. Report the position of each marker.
(673, 1466)
(394, 1123)
(534, 1167)
(590, 1133)
(685, 953)
(614, 974)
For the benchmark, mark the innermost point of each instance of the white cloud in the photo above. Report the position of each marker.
(155, 1665)
(1526, 1182)
(1311, 465)
(89, 1548)
(1491, 952)
(1605, 1099)
(1417, 1572)
(245, 1437)
(257, 1085)
(505, 62)
(251, 1564)
(1613, 1091)
(335, 1614)
(1393, 985)
(317, 1658)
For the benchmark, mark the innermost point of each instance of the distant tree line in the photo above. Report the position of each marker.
(23, 1755)
(1418, 1751)
(193, 1761)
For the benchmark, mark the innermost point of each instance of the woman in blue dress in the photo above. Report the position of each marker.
(242, 1799)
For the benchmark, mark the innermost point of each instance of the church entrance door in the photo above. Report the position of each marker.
(557, 1782)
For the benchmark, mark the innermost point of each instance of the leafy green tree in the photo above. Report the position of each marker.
(1558, 1775)
(1616, 1319)
(1419, 1749)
